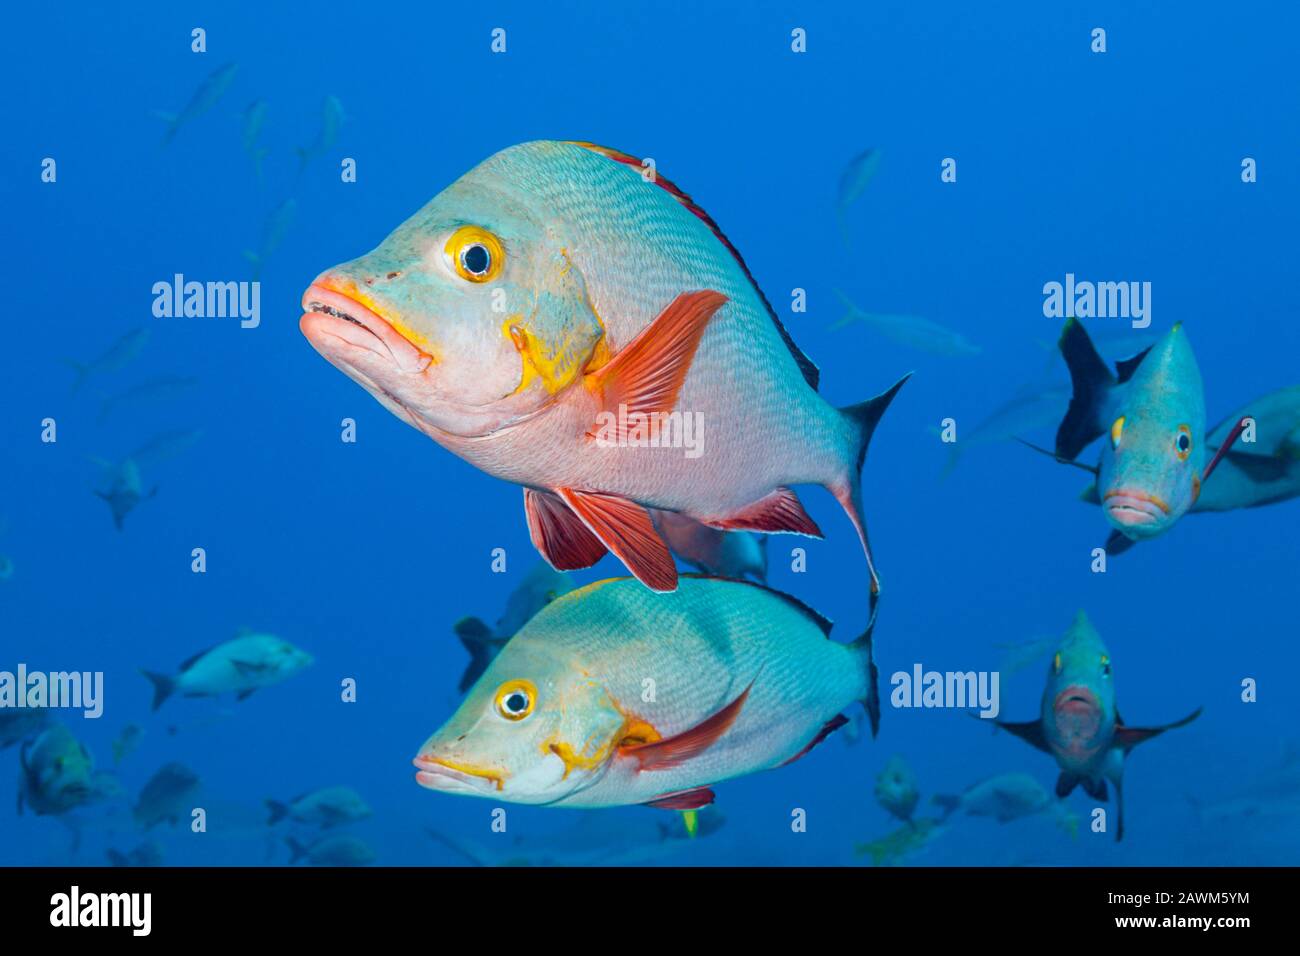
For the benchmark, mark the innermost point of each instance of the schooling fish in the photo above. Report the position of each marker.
(164, 388)
(21, 723)
(332, 851)
(253, 119)
(728, 554)
(149, 853)
(912, 837)
(1080, 725)
(239, 666)
(1154, 468)
(273, 233)
(332, 119)
(204, 98)
(325, 808)
(125, 492)
(542, 585)
(169, 796)
(896, 789)
(565, 323)
(859, 172)
(118, 355)
(58, 774)
(1031, 408)
(615, 695)
(912, 331)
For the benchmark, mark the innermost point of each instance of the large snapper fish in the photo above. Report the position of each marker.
(563, 322)
(615, 695)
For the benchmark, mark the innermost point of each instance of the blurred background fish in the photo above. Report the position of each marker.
(117, 356)
(909, 330)
(205, 97)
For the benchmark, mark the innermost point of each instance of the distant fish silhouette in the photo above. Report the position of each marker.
(118, 354)
(853, 181)
(204, 98)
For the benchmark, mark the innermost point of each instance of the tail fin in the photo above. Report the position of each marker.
(863, 419)
(871, 702)
(476, 637)
(1092, 381)
(947, 802)
(278, 811)
(163, 686)
(296, 850)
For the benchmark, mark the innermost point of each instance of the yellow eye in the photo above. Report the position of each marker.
(1116, 431)
(515, 699)
(475, 254)
(1183, 442)
(1056, 662)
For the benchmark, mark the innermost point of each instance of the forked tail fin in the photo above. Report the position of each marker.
(863, 418)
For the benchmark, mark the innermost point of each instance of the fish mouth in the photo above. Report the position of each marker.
(339, 326)
(1076, 701)
(437, 773)
(1127, 508)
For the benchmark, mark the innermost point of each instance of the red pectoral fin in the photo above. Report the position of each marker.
(684, 800)
(645, 376)
(675, 750)
(780, 511)
(626, 529)
(1223, 449)
(558, 533)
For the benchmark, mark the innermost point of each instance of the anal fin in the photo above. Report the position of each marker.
(684, 799)
(828, 728)
(779, 511)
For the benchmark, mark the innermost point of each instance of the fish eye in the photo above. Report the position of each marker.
(1183, 442)
(1056, 663)
(515, 699)
(1105, 665)
(1116, 430)
(475, 254)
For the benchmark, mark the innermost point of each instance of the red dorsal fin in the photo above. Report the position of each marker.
(779, 511)
(625, 528)
(675, 750)
(648, 372)
(828, 728)
(683, 799)
(558, 533)
(809, 371)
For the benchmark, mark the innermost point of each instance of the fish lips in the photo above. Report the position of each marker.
(434, 773)
(349, 333)
(1135, 513)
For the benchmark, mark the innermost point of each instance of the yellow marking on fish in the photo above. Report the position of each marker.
(633, 732)
(496, 776)
(350, 289)
(691, 819)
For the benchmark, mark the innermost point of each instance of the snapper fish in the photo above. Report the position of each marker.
(58, 774)
(1155, 464)
(542, 318)
(325, 808)
(1079, 722)
(615, 695)
(240, 666)
(896, 790)
(167, 797)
